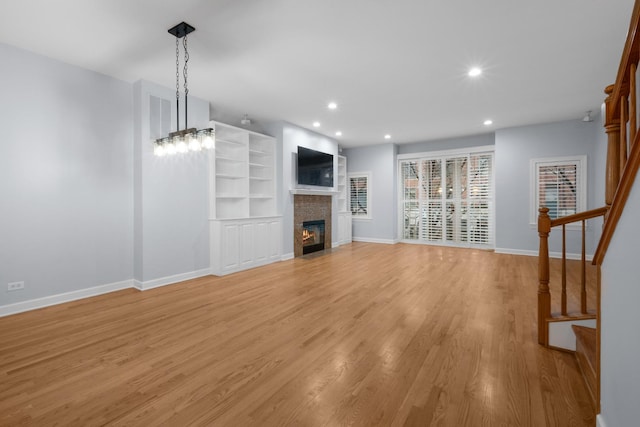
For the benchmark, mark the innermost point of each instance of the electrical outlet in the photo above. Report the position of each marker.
(15, 286)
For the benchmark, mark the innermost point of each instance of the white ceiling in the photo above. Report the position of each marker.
(393, 66)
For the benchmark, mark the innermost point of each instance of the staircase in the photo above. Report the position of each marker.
(586, 356)
(621, 117)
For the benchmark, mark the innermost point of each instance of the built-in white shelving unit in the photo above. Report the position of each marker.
(344, 212)
(245, 225)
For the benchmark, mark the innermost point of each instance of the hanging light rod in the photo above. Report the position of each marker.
(188, 139)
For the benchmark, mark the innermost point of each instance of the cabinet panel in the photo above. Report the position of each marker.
(260, 242)
(274, 242)
(246, 243)
(230, 246)
(344, 228)
(242, 244)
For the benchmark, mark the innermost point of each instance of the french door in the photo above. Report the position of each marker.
(448, 199)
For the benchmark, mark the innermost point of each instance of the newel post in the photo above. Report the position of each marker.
(544, 297)
(612, 128)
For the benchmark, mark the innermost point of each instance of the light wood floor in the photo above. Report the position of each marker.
(387, 335)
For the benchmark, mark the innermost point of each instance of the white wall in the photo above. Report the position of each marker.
(380, 161)
(66, 177)
(289, 137)
(620, 346)
(171, 193)
(515, 147)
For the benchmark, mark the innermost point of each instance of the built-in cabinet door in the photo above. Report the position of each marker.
(273, 242)
(261, 242)
(230, 246)
(243, 244)
(344, 227)
(247, 238)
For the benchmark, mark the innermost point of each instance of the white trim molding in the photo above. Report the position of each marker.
(170, 280)
(600, 421)
(286, 257)
(309, 192)
(34, 304)
(573, 256)
(374, 240)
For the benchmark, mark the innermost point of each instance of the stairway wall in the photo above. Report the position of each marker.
(620, 345)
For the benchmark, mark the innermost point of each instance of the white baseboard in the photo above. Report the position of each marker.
(169, 280)
(600, 421)
(589, 257)
(372, 240)
(286, 257)
(34, 304)
(19, 307)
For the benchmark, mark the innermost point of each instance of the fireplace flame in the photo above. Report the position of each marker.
(308, 235)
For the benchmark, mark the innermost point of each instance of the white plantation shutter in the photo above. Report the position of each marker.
(479, 221)
(448, 199)
(560, 185)
(410, 207)
(359, 195)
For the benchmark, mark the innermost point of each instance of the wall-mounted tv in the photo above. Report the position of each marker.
(315, 168)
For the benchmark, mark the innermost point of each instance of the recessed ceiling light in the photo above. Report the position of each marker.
(474, 72)
(488, 122)
(338, 133)
(316, 124)
(332, 106)
(387, 136)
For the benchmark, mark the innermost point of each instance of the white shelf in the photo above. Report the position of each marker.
(229, 159)
(226, 141)
(224, 175)
(259, 152)
(243, 174)
(231, 196)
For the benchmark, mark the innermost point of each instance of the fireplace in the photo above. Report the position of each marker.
(312, 236)
(310, 208)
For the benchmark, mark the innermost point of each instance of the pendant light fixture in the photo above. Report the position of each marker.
(188, 139)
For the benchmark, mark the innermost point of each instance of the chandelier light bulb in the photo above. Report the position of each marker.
(159, 150)
(170, 148)
(194, 143)
(181, 145)
(207, 142)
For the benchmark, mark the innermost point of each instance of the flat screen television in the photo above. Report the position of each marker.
(315, 168)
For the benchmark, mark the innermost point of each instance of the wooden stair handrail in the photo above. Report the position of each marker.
(630, 56)
(580, 216)
(619, 201)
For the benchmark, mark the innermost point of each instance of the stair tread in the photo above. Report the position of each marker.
(587, 337)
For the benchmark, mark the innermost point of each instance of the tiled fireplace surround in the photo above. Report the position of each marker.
(310, 208)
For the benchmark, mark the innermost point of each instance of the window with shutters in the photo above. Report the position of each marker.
(359, 195)
(447, 198)
(558, 184)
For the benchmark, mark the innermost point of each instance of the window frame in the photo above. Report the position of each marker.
(367, 176)
(534, 193)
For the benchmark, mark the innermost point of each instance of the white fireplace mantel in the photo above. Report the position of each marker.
(312, 192)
